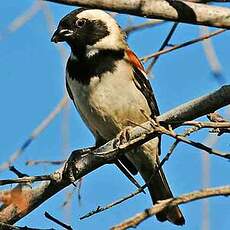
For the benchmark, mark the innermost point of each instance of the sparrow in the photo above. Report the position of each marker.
(110, 90)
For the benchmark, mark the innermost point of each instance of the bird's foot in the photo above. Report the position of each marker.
(122, 137)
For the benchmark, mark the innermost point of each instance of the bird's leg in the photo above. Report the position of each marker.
(128, 174)
(122, 138)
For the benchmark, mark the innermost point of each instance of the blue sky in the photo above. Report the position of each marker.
(32, 83)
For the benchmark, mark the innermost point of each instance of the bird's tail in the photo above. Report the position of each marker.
(145, 159)
(159, 190)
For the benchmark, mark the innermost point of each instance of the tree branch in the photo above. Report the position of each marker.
(140, 217)
(11, 227)
(84, 161)
(147, 24)
(180, 11)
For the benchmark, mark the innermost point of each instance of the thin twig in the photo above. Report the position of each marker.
(27, 179)
(217, 118)
(4, 226)
(21, 20)
(198, 145)
(36, 162)
(188, 132)
(164, 44)
(175, 47)
(18, 173)
(210, 141)
(148, 24)
(101, 209)
(217, 127)
(55, 220)
(212, 58)
(173, 146)
(204, 124)
(127, 174)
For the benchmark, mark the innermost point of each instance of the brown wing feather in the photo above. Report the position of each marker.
(144, 86)
(142, 83)
(134, 60)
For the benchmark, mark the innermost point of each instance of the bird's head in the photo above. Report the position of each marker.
(89, 31)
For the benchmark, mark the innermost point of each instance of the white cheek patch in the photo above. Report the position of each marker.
(115, 39)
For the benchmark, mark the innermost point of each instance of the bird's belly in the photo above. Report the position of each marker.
(107, 105)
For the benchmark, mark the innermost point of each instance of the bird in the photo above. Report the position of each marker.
(110, 89)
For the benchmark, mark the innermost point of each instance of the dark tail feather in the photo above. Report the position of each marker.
(159, 190)
(145, 160)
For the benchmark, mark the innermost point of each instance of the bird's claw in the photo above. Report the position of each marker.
(122, 137)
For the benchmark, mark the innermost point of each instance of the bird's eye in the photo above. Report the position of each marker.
(80, 22)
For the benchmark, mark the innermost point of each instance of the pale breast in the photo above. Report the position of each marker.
(110, 102)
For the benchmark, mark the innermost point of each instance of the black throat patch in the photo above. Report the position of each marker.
(98, 64)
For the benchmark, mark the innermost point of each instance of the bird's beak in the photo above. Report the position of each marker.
(61, 35)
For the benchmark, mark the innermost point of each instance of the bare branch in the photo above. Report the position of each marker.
(203, 124)
(4, 226)
(55, 220)
(174, 145)
(26, 179)
(101, 209)
(144, 25)
(171, 133)
(210, 140)
(212, 58)
(21, 20)
(140, 217)
(175, 47)
(37, 162)
(180, 11)
(17, 172)
(164, 44)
